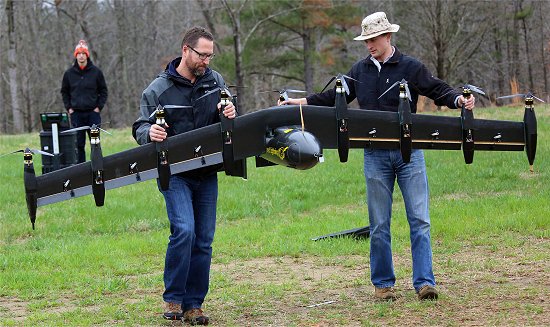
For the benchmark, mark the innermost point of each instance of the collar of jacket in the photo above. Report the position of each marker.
(393, 60)
(88, 65)
(176, 77)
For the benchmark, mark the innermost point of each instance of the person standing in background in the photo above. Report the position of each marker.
(84, 93)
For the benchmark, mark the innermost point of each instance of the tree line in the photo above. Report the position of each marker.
(261, 46)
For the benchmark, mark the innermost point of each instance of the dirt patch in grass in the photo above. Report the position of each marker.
(13, 307)
(479, 286)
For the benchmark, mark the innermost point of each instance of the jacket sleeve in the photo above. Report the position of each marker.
(141, 127)
(327, 98)
(101, 90)
(434, 88)
(66, 91)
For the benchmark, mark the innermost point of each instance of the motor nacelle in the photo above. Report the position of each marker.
(292, 147)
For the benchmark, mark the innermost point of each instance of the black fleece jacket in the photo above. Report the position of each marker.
(372, 83)
(84, 90)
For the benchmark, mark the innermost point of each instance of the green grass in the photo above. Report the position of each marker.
(85, 265)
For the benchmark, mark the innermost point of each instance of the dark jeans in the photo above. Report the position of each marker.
(191, 208)
(79, 119)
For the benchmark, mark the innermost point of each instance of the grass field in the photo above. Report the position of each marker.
(89, 266)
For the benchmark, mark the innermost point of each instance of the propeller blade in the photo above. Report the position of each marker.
(330, 81)
(7, 154)
(474, 88)
(173, 106)
(227, 91)
(353, 79)
(153, 113)
(408, 92)
(27, 150)
(527, 95)
(391, 87)
(295, 91)
(104, 131)
(210, 92)
(345, 85)
(511, 96)
(34, 151)
(534, 97)
(75, 129)
(342, 77)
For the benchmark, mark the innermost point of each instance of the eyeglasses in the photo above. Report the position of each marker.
(202, 56)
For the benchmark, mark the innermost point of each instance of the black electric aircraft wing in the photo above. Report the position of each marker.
(292, 136)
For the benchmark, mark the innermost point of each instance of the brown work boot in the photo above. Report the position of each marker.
(385, 293)
(172, 311)
(195, 317)
(427, 292)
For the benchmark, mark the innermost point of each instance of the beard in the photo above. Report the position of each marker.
(198, 71)
(195, 69)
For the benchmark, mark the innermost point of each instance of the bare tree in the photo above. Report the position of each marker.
(522, 16)
(260, 44)
(3, 113)
(241, 39)
(542, 43)
(121, 82)
(12, 69)
(450, 34)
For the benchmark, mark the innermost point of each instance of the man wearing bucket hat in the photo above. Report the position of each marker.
(84, 93)
(385, 65)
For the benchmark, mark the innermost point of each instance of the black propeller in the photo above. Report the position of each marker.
(29, 179)
(406, 86)
(467, 119)
(473, 88)
(530, 124)
(81, 128)
(283, 93)
(168, 106)
(342, 78)
(29, 150)
(525, 96)
(405, 118)
(214, 90)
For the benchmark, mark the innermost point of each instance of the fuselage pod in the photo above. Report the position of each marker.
(292, 147)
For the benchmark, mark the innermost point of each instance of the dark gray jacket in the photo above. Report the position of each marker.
(170, 88)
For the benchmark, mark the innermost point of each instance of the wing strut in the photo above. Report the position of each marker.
(342, 120)
(530, 123)
(232, 167)
(98, 185)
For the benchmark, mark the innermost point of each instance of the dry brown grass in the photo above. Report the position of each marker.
(479, 286)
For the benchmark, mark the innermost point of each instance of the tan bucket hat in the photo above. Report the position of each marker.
(374, 25)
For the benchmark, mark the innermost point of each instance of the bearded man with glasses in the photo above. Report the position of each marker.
(192, 196)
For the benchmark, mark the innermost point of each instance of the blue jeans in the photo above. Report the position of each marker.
(381, 169)
(79, 119)
(191, 208)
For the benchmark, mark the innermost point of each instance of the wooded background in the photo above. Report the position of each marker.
(501, 46)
